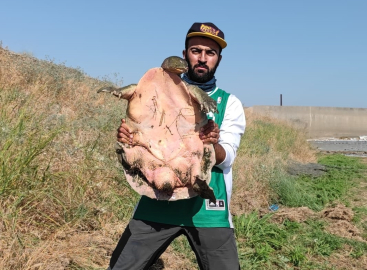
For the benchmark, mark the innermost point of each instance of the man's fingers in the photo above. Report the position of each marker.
(212, 135)
(123, 133)
(210, 138)
(122, 137)
(209, 127)
(210, 141)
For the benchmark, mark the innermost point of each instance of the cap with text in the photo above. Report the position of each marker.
(208, 30)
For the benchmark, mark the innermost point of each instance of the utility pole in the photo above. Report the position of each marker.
(281, 100)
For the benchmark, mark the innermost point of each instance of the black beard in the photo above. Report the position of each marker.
(200, 77)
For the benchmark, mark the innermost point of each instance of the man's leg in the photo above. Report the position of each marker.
(215, 248)
(141, 244)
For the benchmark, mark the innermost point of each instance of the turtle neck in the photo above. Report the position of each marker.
(207, 86)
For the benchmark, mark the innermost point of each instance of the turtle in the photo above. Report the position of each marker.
(167, 160)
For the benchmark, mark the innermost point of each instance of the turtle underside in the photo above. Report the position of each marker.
(167, 160)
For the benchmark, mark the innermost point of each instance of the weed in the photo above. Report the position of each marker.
(360, 213)
(358, 249)
(22, 143)
(297, 255)
(255, 230)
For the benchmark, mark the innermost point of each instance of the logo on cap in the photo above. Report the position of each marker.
(210, 30)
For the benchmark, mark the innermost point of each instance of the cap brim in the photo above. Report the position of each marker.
(217, 39)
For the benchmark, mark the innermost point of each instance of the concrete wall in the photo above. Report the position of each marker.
(320, 121)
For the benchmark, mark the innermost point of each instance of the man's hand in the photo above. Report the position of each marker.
(123, 133)
(209, 133)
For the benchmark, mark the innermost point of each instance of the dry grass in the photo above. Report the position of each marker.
(59, 171)
(63, 199)
(266, 147)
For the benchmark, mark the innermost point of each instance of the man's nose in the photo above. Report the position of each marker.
(202, 56)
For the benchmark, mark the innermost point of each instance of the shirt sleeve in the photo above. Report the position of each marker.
(232, 128)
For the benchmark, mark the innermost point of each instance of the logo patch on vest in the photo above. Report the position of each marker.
(219, 205)
(219, 100)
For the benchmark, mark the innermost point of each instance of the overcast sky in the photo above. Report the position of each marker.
(313, 52)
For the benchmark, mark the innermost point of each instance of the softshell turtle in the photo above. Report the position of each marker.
(167, 160)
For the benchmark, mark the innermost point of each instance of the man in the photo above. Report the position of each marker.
(208, 227)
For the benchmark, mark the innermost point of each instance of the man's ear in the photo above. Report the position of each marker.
(183, 54)
(219, 59)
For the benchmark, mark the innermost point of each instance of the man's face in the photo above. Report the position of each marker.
(202, 56)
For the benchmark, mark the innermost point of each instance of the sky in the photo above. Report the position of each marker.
(312, 52)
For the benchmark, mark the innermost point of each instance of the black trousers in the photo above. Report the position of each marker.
(143, 242)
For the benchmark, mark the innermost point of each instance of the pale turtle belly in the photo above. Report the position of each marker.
(167, 149)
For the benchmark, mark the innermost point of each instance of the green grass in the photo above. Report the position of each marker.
(315, 193)
(257, 239)
(264, 244)
(23, 141)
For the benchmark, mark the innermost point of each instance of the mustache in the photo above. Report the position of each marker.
(201, 65)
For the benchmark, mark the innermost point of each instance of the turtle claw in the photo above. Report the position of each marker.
(209, 106)
(204, 190)
(208, 194)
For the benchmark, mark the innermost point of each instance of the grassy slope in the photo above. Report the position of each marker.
(64, 202)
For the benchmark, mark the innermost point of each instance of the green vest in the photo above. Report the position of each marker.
(194, 211)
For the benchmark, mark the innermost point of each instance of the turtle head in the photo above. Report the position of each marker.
(175, 64)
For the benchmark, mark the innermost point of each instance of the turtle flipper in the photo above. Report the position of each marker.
(207, 104)
(124, 92)
(202, 188)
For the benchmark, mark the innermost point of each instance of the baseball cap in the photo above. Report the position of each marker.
(208, 30)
